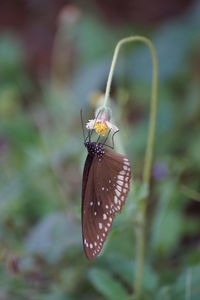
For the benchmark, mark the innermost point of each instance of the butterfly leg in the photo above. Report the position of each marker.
(104, 142)
(89, 131)
(113, 144)
(92, 130)
(98, 139)
(85, 138)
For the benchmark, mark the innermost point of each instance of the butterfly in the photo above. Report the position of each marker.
(105, 186)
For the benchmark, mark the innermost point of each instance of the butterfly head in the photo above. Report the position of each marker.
(95, 149)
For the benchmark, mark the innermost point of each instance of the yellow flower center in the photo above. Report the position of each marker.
(101, 128)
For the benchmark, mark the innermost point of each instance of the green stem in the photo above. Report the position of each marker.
(140, 236)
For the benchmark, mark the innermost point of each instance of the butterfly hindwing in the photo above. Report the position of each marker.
(113, 183)
(104, 194)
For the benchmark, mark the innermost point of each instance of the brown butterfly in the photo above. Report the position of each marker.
(105, 186)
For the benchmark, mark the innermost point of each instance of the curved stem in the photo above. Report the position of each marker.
(140, 236)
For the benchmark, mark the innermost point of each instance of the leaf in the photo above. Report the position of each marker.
(125, 269)
(11, 54)
(138, 194)
(172, 42)
(150, 281)
(121, 266)
(90, 78)
(169, 232)
(93, 32)
(52, 236)
(168, 220)
(185, 287)
(58, 295)
(188, 284)
(106, 285)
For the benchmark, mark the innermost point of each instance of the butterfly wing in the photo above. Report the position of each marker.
(105, 192)
(90, 207)
(114, 183)
(87, 183)
(87, 166)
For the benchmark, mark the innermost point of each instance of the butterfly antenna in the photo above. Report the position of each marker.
(98, 139)
(91, 131)
(89, 134)
(81, 113)
(113, 144)
(104, 143)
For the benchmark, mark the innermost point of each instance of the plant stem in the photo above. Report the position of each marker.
(140, 234)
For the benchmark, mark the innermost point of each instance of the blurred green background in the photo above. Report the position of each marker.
(54, 60)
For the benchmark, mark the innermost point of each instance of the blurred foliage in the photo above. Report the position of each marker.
(42, 157)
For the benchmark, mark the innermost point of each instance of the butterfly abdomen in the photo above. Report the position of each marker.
(95, 149)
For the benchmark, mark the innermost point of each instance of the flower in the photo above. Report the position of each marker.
(101, 126)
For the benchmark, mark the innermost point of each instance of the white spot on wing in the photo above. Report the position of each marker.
(117, 192)
(122, 172)
(119, 182)
(119, 188)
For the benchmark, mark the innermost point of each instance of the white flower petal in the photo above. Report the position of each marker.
(112, 126)
(90, 124)
(109, 125)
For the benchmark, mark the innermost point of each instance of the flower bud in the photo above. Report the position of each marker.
(103, 113)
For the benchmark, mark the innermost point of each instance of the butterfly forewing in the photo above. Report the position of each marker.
(86, 171)
(91, 212)
(104, 194)
(117, 179)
